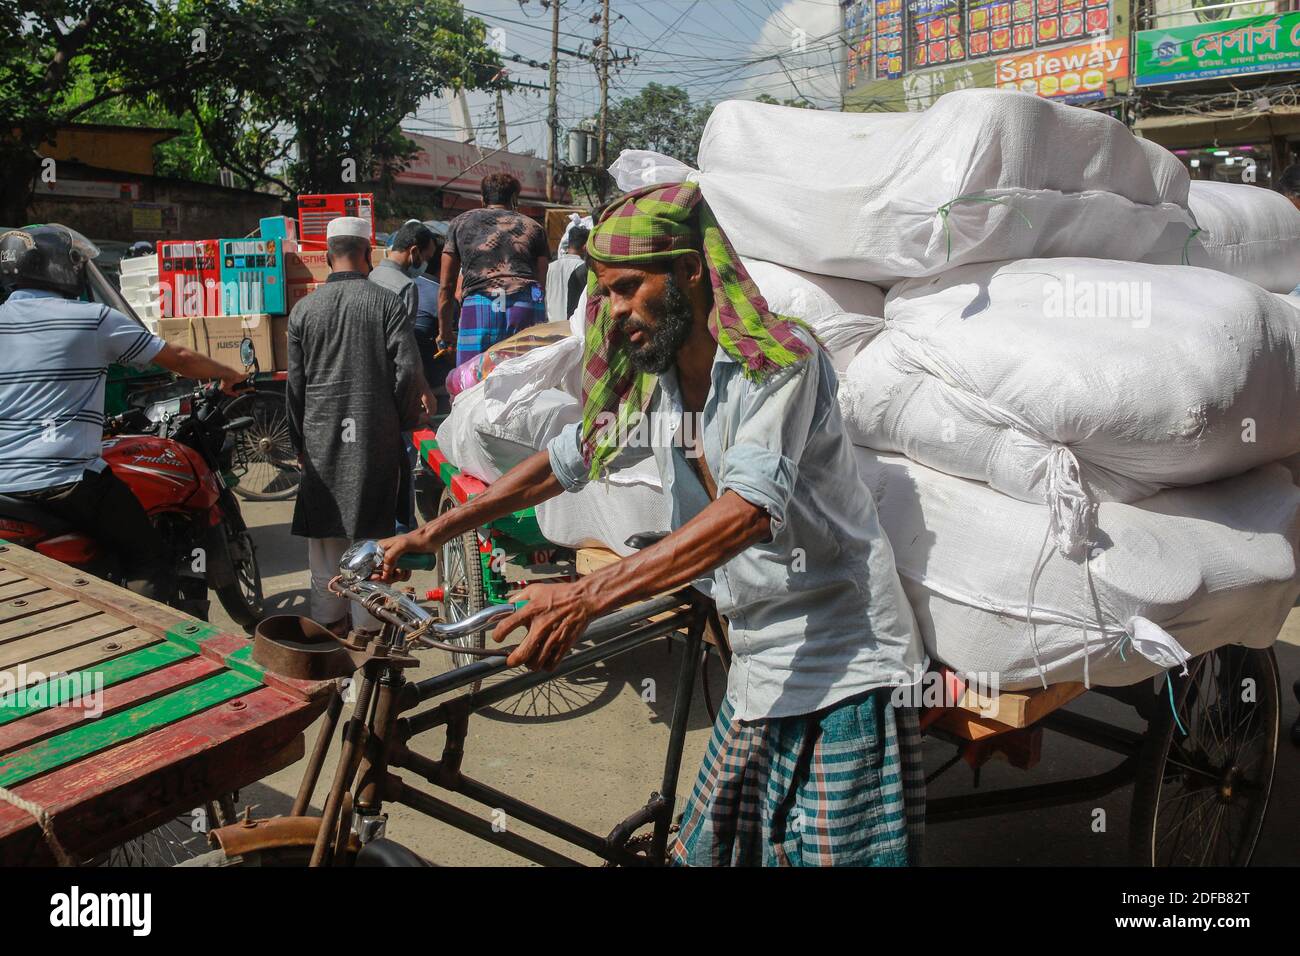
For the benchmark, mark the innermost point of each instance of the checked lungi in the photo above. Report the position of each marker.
(841, 787)
(486, 319)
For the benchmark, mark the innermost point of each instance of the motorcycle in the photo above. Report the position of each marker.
(175, 448)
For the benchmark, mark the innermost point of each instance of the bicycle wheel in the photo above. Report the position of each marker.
(1201, 796)
(460, 576)
(263, 450)
(177, 842)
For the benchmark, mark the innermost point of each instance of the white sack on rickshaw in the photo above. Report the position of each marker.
(1247, 231)
(1203, 566)
(980, 176)
(1072, 381)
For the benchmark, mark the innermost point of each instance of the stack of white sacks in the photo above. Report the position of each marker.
(1070, 433)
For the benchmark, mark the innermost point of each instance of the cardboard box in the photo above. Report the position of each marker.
(309, 265)
(218, 337)
(280, 342)
(297, 292)
(176, 332)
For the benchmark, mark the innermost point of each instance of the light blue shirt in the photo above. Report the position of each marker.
(817, 613)
(54, 358)
(1296, 290)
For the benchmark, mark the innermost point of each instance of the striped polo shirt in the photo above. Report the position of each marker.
(54, 358)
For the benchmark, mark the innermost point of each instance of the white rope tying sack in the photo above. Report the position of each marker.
(1073, 512)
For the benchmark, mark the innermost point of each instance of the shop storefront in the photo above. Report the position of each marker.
(1218, 88)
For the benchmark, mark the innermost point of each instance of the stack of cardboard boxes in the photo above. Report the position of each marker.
(275, 269)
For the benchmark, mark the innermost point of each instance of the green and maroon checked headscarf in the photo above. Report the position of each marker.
(647, 225)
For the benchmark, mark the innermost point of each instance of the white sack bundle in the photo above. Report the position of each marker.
(1184, 571)
(521, 405)
(515, 410)
(1076, 380)
(982, 175)
(1246, 231)
(812, 297)
(606, 513)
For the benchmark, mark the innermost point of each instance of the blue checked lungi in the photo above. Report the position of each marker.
(488, 319)
(841, 787)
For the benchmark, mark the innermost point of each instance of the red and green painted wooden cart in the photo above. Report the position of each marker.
(118, 714)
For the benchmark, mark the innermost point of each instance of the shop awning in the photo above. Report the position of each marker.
(1225, 127)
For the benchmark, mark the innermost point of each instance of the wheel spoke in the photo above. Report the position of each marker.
(1210, 844)
(1184, 831)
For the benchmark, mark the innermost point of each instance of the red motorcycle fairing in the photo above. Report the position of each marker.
(70, 547)
(164, 474)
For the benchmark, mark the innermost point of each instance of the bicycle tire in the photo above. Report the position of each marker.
(264, 448)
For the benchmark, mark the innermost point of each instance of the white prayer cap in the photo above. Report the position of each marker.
(348, 226)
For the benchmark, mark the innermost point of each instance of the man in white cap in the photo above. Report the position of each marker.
(353, 387)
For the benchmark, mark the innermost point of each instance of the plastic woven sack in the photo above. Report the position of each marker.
(473, 370)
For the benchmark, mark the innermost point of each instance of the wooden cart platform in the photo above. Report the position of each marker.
(118, 713)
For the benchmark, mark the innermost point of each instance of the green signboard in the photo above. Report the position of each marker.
(1263, 44)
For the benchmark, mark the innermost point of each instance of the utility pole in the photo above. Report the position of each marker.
(601, 159)
(501, 120)
(552, 114)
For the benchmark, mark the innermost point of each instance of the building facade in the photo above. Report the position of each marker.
(905, 54)
(1216, 83)
(1212, 80)
(443, 179)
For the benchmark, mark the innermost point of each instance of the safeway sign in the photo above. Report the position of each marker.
(1076, 72)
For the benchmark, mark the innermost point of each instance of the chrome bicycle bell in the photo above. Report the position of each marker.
(360, 561)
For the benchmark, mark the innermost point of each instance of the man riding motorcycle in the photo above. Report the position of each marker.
(54, 356)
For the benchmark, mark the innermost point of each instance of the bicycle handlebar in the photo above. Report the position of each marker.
(353, 582)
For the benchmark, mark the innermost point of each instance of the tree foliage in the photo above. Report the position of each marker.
(802, 103)
(298, 93)
(186, 156)
(322, 86)
(41, 43)
(661, 118)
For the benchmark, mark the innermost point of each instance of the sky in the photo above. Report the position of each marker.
(715, 49)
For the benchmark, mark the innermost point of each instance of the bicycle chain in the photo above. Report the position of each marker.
(636, 843)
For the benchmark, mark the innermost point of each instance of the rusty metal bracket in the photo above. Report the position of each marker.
(251, 835)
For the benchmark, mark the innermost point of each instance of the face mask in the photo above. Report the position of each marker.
(415, 269)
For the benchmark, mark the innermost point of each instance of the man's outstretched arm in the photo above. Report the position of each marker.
(527, 484)
(557, 615)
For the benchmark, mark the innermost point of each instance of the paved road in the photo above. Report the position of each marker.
(593, 753)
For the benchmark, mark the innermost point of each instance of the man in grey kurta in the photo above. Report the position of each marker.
(353, 388)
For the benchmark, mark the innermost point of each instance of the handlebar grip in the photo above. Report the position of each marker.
(417, 562)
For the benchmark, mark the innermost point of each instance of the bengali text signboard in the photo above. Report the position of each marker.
(1263, 44)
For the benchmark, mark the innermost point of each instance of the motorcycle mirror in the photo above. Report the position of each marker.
(248, 354)
(361, 560)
